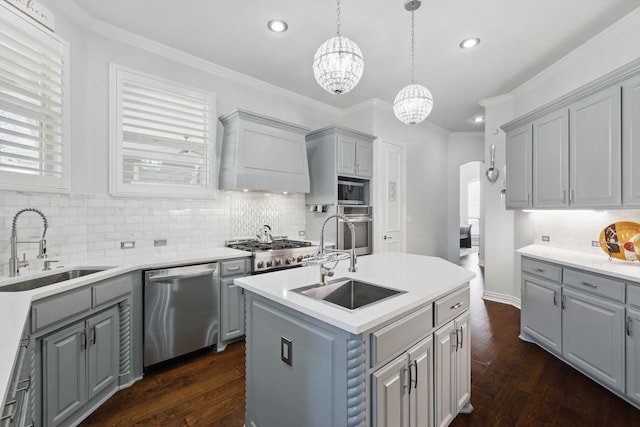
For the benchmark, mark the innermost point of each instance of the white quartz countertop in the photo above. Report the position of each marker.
(626, 270)
(423, 278)
(14, 306)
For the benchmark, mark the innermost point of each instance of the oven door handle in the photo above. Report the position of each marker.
(358, 219)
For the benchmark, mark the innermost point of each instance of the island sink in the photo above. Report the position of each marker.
(348, 293)
(38, 282)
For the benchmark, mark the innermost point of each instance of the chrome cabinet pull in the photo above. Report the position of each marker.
(564, 302)
(555, 297)
(93, 335)
(591, 285)
(456, 305)
(415, 382)
(233, 268)
(629, 325)
(538, 270)
(461, 337)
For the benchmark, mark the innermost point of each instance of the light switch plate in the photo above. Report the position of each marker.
(128, 245)
(286, 346)
(545, 238)
(595, 243)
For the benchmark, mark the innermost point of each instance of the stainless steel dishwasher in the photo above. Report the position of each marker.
(180, 311)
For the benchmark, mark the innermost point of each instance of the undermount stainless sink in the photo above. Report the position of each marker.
(38, 282)
(348, 293)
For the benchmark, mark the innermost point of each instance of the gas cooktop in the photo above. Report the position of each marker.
(281, 253)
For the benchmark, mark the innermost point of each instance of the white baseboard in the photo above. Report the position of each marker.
(501, 298)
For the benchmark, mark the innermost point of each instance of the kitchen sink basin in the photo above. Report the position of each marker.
(38, 282)
(348, 293)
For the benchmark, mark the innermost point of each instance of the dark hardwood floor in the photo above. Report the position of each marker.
(513, 383)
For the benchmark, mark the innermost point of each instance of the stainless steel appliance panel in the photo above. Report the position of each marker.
(351, 192)
(362, 220)
(180, 311)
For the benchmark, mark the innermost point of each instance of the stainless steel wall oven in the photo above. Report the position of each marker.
(362, 219)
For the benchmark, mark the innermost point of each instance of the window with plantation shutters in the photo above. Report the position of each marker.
(162, 140)
(33, 105)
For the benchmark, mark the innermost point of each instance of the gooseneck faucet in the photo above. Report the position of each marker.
(14, 262)
(336, 255)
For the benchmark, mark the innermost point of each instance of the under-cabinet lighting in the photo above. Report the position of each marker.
(277, 25)
(469, 43)
(478, 119)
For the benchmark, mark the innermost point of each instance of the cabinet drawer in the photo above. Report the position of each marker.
(111, 289)
(450, 306)
(542, 269)
(633, 295)
(234, 267)
(594, 284)
(392, 339)
(60, 307)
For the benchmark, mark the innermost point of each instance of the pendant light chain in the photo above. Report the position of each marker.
(412, 46)
(338, 17)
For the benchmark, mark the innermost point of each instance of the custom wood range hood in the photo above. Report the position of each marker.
(260, 153)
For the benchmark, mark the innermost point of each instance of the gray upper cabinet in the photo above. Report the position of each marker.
(355, 157)
(519, 151)
(595, 150)
(631, 143)
(550, 160)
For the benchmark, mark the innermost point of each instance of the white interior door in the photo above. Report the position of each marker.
(390, 207)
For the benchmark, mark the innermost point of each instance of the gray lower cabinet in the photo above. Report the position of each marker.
(231, 310)
(453, 373)
(232, 302)
(79, 362)
(403, 389)
(541, 313)
(17, 407)
(593, 337)
(580, 317)
(633, 355)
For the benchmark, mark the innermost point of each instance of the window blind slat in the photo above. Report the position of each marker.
(161, 114)
(175, 145)
(146, 156)
(164, 98)
(32, 104)
(162, 131)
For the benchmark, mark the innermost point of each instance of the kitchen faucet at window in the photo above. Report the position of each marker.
(14, 262)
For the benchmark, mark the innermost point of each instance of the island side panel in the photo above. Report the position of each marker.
(323, 385)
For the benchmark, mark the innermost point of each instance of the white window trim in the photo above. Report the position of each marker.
(119, 188)
(23, 182)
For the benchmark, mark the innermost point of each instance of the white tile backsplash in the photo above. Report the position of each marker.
(92, 226)
(575, 230)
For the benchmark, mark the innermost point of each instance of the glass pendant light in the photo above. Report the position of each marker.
(338, 63)
(414, 102)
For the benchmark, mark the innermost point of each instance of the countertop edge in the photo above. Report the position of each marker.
(626, 270)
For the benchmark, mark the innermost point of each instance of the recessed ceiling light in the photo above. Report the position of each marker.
(469, 43)
(277, 25)
(478, 119)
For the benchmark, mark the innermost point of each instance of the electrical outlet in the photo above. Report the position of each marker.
(301, 233)
(160, 242)
(595, 243)
(128, 244)
(545, 238)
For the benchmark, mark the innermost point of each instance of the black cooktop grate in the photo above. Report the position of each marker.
(255, 246)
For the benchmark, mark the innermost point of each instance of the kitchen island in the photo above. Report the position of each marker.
(406, 357)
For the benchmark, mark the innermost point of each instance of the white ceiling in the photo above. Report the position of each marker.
(520, 38)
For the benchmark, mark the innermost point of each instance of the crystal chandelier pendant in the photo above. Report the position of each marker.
(338, 65)
(413, 104)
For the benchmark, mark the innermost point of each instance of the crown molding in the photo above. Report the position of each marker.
(80, 16)
(617, 27)
(501, 99)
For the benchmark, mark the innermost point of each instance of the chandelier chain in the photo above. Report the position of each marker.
(412, 46)
(338, 16)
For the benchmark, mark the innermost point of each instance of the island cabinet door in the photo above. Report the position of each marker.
(445, 343)
(541, 313)
(390, 385)
(463, 361)
(64, 386)
(593, 337)
(633, 355)
(421, 384)
(103, 347)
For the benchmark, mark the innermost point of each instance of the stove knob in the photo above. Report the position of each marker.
(277, 261)
(299, 259)
(269, 264)
(289, 260)
(260, 264)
